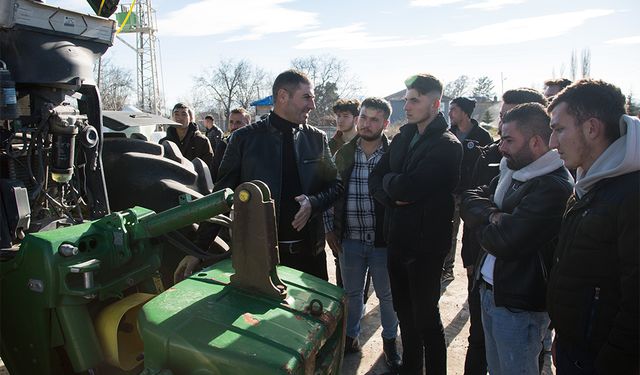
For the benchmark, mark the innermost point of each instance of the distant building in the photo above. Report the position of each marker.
(263, 106)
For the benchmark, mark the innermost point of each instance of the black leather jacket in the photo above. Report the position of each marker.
(524, 239)
(254, 152)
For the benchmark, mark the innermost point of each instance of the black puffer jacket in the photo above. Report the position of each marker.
(524, 239)
(424, 175)
(345, 159)
(477, 137)
(254, 152)
(593, 292)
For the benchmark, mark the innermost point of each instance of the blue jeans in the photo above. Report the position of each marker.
(513, 337)
(355, 258)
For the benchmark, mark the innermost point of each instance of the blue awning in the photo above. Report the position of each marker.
(264, 101)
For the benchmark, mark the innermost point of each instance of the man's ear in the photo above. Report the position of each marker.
(436, 103)
(593, 128)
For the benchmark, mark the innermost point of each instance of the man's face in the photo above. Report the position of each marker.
(298, 104)
(503, 110)
(371, 123)
(420, 108)
(456, 114)
(551, 90)
(208, 123)
(567, 136)
(236, 121)
(514, 146)
(345, 121)
(181, 116)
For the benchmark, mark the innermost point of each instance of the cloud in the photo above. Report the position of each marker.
(248, 19)
(432, 3)
(492, 4)
(627, 40)
(353, 37)
(524, 29)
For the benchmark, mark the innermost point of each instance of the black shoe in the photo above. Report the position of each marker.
(391, 356)
(351, 345)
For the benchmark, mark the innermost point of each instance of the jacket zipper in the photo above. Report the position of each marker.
(592, 314)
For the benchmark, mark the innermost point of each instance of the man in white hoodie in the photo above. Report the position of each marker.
(593, 292)
(517, 218)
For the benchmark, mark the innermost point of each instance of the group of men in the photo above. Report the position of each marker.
(540, 251)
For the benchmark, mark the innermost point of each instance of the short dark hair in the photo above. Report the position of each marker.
(181, 106)
(424, 84)
(466, 105)
(560, 82)
(523, 95)
(242, 111)
(532, 119)
(289, 80)
(209, 117)
(379, 104)
(594, 98)
(347, 105)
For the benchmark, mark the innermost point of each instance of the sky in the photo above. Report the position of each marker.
(516, 43)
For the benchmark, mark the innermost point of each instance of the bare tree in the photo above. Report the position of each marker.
(115, 84)
(573, 65)
(458, 87)
(331, 80)
(484, 87)
(230, 83)
(585, 58)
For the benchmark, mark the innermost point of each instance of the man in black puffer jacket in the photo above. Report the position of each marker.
(415, 180)
(593, 290)
(517, 218)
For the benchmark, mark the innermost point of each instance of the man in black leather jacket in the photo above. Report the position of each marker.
(294, 160)
(517, 218)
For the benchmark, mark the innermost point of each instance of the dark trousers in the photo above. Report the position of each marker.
(451, 255)
(476, 361)
(300, 257)
(415, 287)
(571, 360)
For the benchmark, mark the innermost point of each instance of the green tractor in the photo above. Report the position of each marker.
(86, 273)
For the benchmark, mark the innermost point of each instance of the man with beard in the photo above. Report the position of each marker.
(593, 287)
(517, 219)
(415, 180)
(356, 233)
(294, 160)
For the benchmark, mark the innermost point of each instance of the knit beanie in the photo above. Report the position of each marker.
(466, 105)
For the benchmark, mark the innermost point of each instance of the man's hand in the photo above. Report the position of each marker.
(553, 350)
(402, 203)
(303, 214)
(334, 242)
(185, 268)
(495, 218)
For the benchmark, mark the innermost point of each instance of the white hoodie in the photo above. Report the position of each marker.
(621, 157)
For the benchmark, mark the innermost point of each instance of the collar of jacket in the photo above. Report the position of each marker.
(474, 124)
(437, 126)
(352, 143)
(274, 129)
(172, 133)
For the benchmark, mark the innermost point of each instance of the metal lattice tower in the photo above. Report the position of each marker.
(147, 78)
